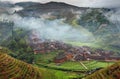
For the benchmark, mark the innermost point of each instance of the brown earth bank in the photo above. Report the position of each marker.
(112, 72)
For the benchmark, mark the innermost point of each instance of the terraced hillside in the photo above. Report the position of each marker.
(11, 68)
(112, 72)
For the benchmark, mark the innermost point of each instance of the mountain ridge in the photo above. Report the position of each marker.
(52, 4)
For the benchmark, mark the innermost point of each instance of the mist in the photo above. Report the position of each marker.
(114, 17)
(52, 29)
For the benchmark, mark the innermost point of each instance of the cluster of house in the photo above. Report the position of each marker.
(68, 52)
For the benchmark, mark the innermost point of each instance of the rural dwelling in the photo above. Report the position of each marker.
(62, 57)
(69, 56)
(113, 58)
(38, 50)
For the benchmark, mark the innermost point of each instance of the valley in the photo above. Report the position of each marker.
(57, 40)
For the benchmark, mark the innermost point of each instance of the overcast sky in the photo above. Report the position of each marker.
(80, 3)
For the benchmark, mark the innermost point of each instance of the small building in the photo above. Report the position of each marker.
(113, 58)
(69, 56)
(79, 58)
(39, 50)
(60, 58)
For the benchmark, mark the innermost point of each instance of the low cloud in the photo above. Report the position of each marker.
(54, 30)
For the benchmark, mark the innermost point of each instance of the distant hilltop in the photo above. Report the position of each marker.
(49, 5)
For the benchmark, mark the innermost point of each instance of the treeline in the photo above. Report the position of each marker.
(19, 45)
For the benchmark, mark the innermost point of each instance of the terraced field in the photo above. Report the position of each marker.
(11, 68)
(46, 60)
(112, 72)
(77, 66)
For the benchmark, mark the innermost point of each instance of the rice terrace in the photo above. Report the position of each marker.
(57, 39)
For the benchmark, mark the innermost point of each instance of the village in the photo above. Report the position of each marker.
(67, 52)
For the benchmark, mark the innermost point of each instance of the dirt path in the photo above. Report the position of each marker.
(83, 65)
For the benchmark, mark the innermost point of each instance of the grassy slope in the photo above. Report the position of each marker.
(112, 72)
(47, 59)
(95, 45)
(11, 68)
(60, 74)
